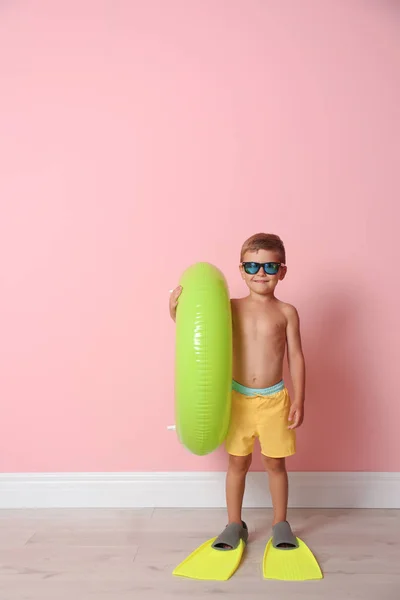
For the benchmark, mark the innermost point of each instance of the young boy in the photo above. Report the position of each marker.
(263, 328)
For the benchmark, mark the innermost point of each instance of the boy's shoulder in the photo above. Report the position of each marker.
(236, 300)
(287, 307)
(290, 312)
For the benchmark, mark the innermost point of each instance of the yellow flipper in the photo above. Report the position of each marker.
(209, 564)
(298, 564)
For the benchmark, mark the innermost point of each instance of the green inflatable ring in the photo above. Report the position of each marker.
(203, 359)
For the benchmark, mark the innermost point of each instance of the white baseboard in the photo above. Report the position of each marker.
(191, 490)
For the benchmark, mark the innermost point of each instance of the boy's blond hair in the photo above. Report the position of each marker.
(264, 241)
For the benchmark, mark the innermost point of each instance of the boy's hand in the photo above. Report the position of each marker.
(173, 301)
(296, 414)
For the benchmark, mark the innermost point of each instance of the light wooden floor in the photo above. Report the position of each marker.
(129, 554)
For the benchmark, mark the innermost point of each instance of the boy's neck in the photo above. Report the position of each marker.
(262, 298)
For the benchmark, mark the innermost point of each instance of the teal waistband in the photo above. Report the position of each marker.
(246, 391)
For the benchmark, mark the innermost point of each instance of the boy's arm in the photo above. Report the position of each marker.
(296, 367)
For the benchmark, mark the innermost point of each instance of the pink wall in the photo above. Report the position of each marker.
(139, 137)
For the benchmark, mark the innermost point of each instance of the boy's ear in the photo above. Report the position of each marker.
(241, 269)
(282, 273)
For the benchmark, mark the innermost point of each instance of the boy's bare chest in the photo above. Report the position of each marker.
(259, 323)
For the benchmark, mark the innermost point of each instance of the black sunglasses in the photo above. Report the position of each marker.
(270, 268)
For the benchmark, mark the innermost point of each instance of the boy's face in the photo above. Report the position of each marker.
(262, 283)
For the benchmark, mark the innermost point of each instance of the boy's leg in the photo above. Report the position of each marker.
(235, 484)
(278, 485)
(279, 441)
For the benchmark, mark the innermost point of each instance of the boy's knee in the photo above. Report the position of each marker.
(274, 465)
(239, 464)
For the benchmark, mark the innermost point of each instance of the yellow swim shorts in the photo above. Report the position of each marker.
(261, 413)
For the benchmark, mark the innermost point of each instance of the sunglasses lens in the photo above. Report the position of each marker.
(271, 268)
(251, 268)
